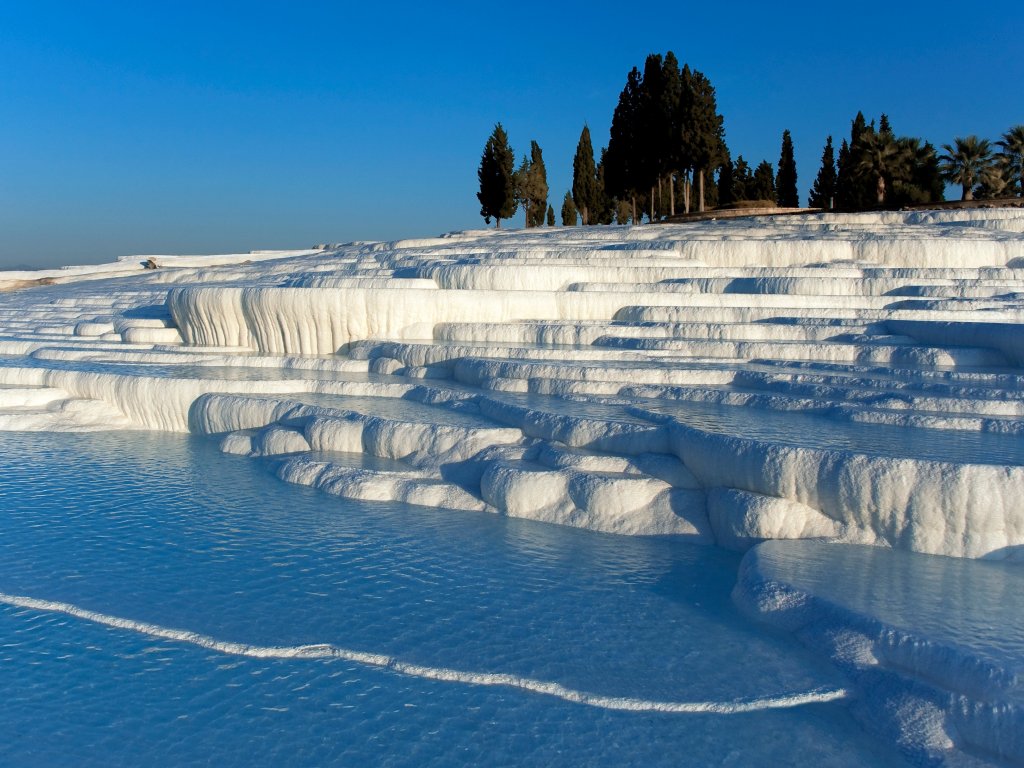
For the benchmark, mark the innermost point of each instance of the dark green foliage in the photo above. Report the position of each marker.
(711, 194)
(584, 178)
(604, 208)
(623, 212)
(1012, 159)
(880, 160)
(762, 185)
(569, 212)
(823, 193)
(622, 163)
(926, 176)
(532, 186)
(857, 127)
(854, 190)
(497, 193)
(669, 117)
(968, 161)
(883, 125)
(705, 134)
(742, 180)
(785, 178)
(651, 131)
(921, 182)
(879, 169)
(844, 180)
(666, 125)
(551, 216)
(725, 184)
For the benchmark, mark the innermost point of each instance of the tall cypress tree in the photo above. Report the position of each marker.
(844, 180)
(823, 193)
(742, 187)
(584, 178)
(857, 128)
(540, 184)
(569, 212)
(497, 193)
(651, 130)
(670, 130)
(622, 163)
(785, 178)
(705, 131)
(604, 209)
(763, 182)
(551, 216)
(726, 184)
(883, 125)
(532, 186)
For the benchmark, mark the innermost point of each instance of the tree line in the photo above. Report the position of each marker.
(877, 169)
(667, 150)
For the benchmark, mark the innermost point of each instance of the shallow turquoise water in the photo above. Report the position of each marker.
(166, 530)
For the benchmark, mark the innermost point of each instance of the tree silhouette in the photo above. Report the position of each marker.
(622, 163)
(1012, 156)
(569, 212)
(584, 178)
(880, 158)
(532, 186)
(823, 192)
(763, 183)
(968, 161)
(497, 193)
(785, 178)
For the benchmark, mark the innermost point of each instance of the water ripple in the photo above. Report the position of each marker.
(328, 651)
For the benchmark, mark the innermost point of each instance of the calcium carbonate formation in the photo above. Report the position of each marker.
(845, 377)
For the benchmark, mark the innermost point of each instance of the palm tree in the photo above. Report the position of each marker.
(1012, 155)
(880, 157)
(968, 163)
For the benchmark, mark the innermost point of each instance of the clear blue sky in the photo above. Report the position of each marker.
(185, 127)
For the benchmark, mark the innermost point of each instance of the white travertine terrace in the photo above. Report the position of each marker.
(854, 377)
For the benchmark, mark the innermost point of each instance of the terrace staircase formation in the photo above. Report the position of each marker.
(724, 381)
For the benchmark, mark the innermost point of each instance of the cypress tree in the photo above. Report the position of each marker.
(568, 211)
(584, 178)
(521, 180)
(622, 161)
(604, 209)
(687, 130)
(532, 186)
(538, 186)
(883, 125)
(785, 179)
(857, 128)
(711, 197)
(742, 187)
(763, 182)
(651, 131)
(551, 216)
(844, 182)
(670, 130)
(497, 193)
(704, 129)
(823, 193)
(859, 189)
(726, 184)
(926, 175)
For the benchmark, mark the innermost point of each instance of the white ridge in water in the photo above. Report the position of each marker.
(328, 651)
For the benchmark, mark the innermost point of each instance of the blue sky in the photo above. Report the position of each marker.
(207, 127)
